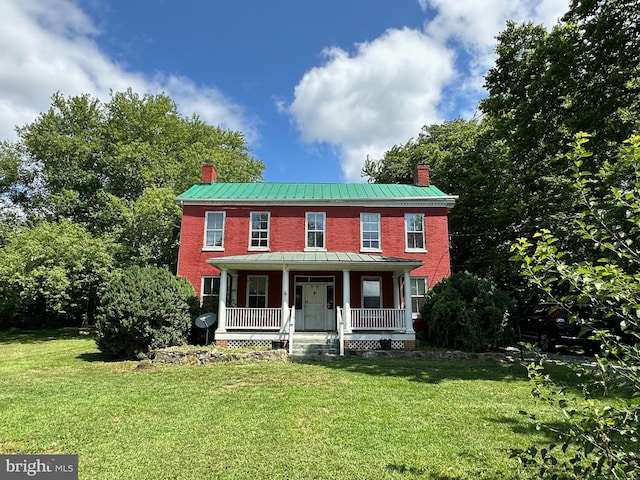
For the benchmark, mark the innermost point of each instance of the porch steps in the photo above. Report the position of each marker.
(315, 345)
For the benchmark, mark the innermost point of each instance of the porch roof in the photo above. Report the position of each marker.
(313, 261)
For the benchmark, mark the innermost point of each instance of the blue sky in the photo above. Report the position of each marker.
(316, 87)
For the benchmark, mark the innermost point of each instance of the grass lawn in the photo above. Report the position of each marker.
(346, 419)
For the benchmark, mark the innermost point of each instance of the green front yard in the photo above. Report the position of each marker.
(347, 419)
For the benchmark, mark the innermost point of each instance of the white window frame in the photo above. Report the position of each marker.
(368, 279)
(364, 248)
(207, 230)
(203, 295)
(259, 230)
(266, 290)
(415, 313)
(413, 232)
(307, 231)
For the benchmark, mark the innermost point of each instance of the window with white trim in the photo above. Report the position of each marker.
(372, 292)
(257, 291)
(414, 231)
(214, 230)
(315, 231)
(370, 231)
(418, 290)
(210, 293)
(259, 231)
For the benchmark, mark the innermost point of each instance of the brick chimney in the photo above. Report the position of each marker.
(209, 172)
(421, 175)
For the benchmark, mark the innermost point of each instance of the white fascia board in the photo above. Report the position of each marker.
(448, 202)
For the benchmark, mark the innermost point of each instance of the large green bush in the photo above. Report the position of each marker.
(51, 274)
(143, 308)
(468, 313)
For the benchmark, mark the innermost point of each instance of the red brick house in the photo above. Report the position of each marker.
(349, 262)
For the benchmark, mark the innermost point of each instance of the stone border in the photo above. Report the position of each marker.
(206, 356)
(509, 355)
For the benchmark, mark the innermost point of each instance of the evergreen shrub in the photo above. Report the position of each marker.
(143, 308)
(468, 313)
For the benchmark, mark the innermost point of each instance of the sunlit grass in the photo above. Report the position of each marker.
(347, 419)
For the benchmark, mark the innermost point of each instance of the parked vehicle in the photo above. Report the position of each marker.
(549, 325)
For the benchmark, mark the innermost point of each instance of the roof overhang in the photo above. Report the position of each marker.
(314, 261)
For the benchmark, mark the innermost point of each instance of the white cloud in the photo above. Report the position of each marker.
(365, 102)
(50, 46)
(476, 24)
(208, 102)
(382, 94)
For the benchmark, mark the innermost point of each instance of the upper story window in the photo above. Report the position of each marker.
(370, 231)
(414, 231)
(214, 231)
(315, 230)
(259, 231)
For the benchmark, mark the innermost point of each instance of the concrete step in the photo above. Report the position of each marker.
(312, 344)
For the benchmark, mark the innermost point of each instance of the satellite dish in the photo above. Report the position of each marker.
(205, 321)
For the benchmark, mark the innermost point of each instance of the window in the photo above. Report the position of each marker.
(370, 231)
(257, 292)
(210, 296)
(259, 232)
(414, 228)
(371, 293)
(315, 231)
(214, 231)
(418, 289)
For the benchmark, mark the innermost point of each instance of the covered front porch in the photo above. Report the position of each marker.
(358, 299)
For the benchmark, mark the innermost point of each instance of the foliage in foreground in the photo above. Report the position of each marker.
(467, 312)
(143, 309)
(601, 442)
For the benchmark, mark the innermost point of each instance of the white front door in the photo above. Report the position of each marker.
(314, 307)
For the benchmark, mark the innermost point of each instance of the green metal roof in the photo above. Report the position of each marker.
(313, 260)
(311, 191)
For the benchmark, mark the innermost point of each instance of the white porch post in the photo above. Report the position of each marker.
(222, 307)
(407, 303)
(285, 299)
(346, 297)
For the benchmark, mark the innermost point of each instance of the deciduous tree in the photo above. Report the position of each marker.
(105, 165)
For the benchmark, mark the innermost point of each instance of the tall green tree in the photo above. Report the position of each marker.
(511, 169)
(583, 75)
(107, 165)
(468, 161)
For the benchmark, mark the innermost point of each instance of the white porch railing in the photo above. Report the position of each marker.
(254, 318)
(378, 319)
(239, 318)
